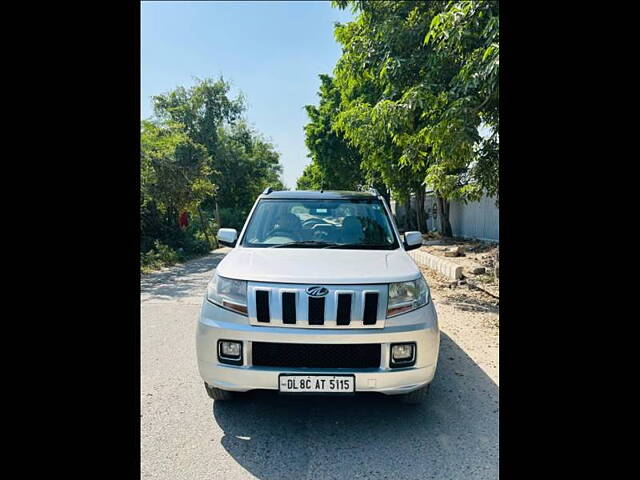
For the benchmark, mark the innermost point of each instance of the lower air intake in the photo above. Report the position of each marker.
(311, 355)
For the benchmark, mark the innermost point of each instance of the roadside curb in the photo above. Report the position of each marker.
(448, 269)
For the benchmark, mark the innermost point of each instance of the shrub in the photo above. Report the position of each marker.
(159, 256)
(197, 245)
(232, 218)
(163, 243)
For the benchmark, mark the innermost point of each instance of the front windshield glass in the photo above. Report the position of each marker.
(345, 223)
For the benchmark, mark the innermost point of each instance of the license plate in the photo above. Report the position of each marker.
(317, 383)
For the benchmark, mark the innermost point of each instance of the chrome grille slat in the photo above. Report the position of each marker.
(275, 307)
(330, 305)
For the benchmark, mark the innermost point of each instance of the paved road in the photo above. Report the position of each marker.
(185, 435)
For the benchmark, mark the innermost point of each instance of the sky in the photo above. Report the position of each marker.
(272, 52)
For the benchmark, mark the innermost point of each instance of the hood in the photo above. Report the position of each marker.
(313, 265)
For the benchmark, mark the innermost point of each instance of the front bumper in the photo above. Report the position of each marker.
(420, 326)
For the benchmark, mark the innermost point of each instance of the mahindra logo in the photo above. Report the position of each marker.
(317, 291)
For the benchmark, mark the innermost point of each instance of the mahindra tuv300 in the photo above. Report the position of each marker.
(318, 295)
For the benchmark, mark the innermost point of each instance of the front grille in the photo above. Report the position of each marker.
(312, 355)
(343, 306)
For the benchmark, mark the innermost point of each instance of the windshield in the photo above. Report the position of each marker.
(346, 223)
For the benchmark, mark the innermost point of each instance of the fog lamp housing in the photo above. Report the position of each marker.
(402, 354)
(230, 352)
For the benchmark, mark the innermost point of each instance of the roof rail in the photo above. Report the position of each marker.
(267, 191)
(373, 191)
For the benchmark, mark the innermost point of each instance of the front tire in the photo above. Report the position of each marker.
(417, 396)
(218, 394)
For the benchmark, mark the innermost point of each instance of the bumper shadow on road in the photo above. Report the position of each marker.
(454, 434)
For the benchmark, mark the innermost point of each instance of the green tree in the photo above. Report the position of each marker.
(249, 164)
(336, 164)
(198, 151)
(311, 178)
(371, 72)
(243, 163)
(423, 77)
(201, 110)
(175, 175)
(468, 32)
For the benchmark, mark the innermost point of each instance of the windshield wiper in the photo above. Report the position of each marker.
(305, 243)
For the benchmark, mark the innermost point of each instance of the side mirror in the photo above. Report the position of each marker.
(412, 240)
(228, 236)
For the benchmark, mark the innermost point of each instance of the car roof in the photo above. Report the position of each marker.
(317, 195)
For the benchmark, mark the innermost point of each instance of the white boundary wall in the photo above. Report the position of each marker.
(479, 220)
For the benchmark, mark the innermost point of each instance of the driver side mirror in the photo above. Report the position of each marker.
(412, 240)
(228, 236)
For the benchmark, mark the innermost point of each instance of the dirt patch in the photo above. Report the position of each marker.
(464, 299)
(476, 257)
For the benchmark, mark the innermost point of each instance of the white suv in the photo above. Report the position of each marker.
(318, 295)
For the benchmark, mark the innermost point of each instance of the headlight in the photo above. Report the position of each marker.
(228, 293)
(407, 296)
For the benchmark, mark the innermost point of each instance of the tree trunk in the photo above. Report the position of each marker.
(439, 202)
(447, 224)
(204, 228)
(443, 213)
(408, 222)
(386, 194)
(218, 215)
(420, 216)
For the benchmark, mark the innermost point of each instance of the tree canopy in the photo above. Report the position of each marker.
(415, 85)
(335, 163)
(199, 155)
(175, 171)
